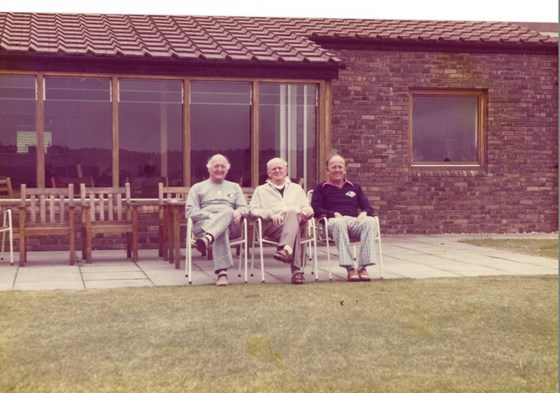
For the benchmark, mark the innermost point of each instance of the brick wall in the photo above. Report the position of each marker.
(516, 191)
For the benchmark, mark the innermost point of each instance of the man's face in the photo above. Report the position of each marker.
(218, 170)
(277, 172)
(336, 169)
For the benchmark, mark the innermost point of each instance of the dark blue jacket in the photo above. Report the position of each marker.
(349, 200)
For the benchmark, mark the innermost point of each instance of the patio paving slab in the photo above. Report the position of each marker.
(404, 257)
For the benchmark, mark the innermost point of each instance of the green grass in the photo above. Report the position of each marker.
(492, 334)
(537, 247)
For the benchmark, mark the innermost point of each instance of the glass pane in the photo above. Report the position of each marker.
(288, 129)
(78, 130)
(18, 140)
(221, 123)
(444, 129)
(151, 134)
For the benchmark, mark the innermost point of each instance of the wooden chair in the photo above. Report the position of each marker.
(164, 194)
(46, 212)
(61, 181)
(107, 210)
(6, 190)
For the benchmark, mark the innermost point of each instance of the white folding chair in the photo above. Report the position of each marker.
(326, 239)
(7, 227)
(323, 237)
(241, 241)
(308, 239)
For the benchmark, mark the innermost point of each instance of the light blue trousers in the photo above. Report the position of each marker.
(221, 227)
(342, 229)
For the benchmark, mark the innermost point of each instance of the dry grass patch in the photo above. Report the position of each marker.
(537, 247)
(492, 334)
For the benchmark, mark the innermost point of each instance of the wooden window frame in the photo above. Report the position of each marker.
(481, 96)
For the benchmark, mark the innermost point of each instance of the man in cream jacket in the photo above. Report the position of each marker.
(284, 208)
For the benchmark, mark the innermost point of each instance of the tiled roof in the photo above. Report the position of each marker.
(237, 39)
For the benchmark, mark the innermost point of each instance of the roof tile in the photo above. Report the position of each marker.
(234, 38)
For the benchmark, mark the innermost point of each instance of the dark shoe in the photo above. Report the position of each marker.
(364, 276)
(202, 244)
(283, 256)
(353, 275)
(297, 278)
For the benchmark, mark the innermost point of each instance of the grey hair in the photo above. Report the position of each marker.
(215, 157)
(333, 156)
(269, 163)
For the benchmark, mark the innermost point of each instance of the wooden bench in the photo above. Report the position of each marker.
(46, 212)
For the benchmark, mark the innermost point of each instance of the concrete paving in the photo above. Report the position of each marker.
(404, 257)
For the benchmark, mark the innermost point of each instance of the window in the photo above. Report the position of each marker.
(288, 128)
(446, 128)
(78, 128)
(150, 134)
(221, 123)
(249, 121)
(18, 137)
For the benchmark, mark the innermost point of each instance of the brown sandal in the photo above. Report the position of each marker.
(364, 276)
(297, 278)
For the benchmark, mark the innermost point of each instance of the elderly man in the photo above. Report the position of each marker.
(216, 207)
(349, 215)
(284, 208)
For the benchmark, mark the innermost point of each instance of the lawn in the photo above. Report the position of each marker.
(490, 334)
(538, 247)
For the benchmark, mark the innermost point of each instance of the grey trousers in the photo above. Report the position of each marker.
(287, 234)
(221, 227)
(343, 228)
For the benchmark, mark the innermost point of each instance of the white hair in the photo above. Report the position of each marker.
(216, 157)
(271, 161)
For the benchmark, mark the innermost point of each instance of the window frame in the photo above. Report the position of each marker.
(481, 96)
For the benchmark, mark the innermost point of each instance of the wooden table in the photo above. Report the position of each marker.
(173, 208)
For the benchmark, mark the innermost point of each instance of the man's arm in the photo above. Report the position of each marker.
(317, 202)
(363, 202)
(240, 202)
(192, 207)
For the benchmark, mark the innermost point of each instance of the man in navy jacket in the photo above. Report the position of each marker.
(349, 215)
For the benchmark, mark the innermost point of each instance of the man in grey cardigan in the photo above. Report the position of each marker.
(216, 207)
(284, 207)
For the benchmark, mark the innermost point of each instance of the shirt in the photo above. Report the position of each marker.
(349, 200)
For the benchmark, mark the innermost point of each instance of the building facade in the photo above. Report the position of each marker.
(450, 127)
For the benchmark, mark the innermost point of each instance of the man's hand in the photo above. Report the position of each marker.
(360, 217)
(277, 218)
(236, 216)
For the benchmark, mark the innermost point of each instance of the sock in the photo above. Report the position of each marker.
(289, 249)
(209, 237)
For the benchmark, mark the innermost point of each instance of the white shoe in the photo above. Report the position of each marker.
(222, 281)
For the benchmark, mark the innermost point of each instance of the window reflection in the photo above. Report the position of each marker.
(77, 130)
(288, 128)
(444, 129)
(221, 123)
(151, 134)
(18, 141)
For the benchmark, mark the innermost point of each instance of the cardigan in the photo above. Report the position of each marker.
(267, 200)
